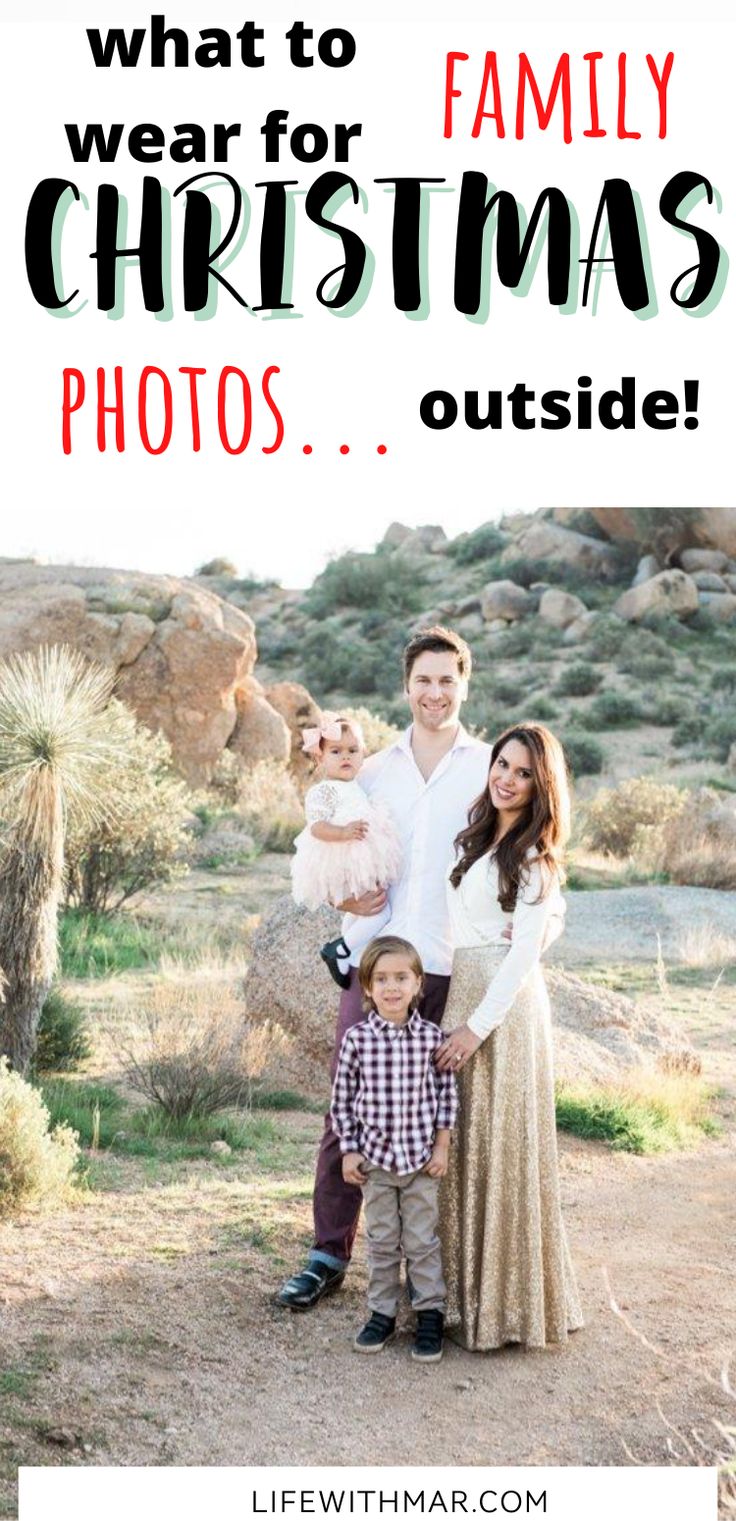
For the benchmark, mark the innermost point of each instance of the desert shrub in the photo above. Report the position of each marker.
(723, 681)
(611, 710)
(519, 639)
(647, 666)
(585, 756)
(604, 639)
(62, 1041)
(389, 582)
(578, 680)
(697, 847)
(481, 544)
(36, 1163)
(217, 567)
(268, 803)
(613, 818)
(720, 735)
(539, 708)
(503, 690)
(139, 825)
(377, 731)
(688, 731)
(191, 1055)
(665, 708)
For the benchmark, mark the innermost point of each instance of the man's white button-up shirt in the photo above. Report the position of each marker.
(428, 815)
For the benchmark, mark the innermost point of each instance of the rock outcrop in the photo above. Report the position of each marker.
(505, 600)
(671, 593)
(597, 1033)
(183, 656)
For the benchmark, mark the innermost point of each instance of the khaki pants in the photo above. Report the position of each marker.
(401, 1219)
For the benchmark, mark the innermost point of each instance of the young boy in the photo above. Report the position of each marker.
(393, 1112)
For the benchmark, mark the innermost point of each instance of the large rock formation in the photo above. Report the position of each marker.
(182, 655)
(538, 538)
(671, 593)
(672, 529)
(597, 1033)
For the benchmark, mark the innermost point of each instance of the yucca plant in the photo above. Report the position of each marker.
(54, 748)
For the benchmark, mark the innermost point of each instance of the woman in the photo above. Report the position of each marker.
(505, 1254)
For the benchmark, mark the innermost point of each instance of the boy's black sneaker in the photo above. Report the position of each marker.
(428, 1339)
(376, 1333)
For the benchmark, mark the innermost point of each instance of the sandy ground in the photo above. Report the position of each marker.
(139, 1326)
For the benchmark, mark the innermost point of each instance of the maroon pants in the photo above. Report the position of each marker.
(337, 1203)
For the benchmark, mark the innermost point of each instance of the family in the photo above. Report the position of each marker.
(445, 855)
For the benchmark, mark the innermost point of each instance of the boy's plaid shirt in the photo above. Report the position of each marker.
(388, 1098)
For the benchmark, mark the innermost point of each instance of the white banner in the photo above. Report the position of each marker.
(246, 1494)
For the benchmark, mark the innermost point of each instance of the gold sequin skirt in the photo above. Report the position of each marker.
(504, 1249)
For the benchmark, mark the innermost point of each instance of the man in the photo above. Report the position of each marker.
(428, 779)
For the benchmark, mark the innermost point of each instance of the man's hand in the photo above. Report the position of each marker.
(357, 829)
(367, 904)
(457, 1049)
(437, 1165)
(352, 1168)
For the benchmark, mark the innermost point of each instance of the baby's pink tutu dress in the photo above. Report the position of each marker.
(329, 872)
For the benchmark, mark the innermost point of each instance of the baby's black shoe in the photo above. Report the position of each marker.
(376, 1333)
(332, 954)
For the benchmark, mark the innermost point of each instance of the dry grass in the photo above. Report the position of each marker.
(192, 1052)
(701, 945)
(647, 1110)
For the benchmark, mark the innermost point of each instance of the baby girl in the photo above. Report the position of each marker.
(349, 846)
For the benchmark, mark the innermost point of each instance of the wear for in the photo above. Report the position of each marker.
(507, 1264)
(388, 1097)
(388, 1102)
(428, 814)
(336, 1203)
(328, 871)
(401, 1220)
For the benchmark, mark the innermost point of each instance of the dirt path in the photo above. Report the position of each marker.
(145, 1327)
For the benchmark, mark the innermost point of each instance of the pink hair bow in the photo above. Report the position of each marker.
(329, 728)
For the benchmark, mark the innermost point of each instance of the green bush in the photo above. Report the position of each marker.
(36, 1163)
(389, 582)
(721, 735)
(688, 731)
(585, 756)
(611, 710)
(647, 667)
(481, 544)
(139, 825)
(578, 680)
(616, 815)
(605, 639)
(665, 709)
(92, 945)
(62, 1042)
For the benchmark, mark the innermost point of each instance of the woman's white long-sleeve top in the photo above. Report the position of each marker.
(477, 919)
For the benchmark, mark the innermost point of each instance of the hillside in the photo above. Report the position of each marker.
(634, 682)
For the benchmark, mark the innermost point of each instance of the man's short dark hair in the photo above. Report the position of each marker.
(437, 640)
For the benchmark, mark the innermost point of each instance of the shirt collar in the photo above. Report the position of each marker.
(462, 740)
(387, 1027)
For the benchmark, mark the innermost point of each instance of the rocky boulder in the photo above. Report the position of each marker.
(597, 1033)
(693, 560)
(670, 531)
(504, 599)
(670, 594)
(182, 655)
(648, 566)
(260, 733)
(721, 606)
(540, 539)
(299, 711)
(560, 608)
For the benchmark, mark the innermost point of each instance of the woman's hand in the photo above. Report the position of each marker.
(457, 1049)
(353, 1164)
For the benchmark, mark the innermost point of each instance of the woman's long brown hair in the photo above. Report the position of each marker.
(543, 828)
